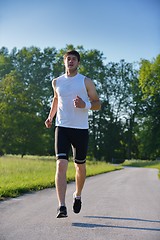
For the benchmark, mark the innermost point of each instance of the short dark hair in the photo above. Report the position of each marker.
(72, 52)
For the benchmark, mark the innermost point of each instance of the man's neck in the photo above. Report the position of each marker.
(71, 73)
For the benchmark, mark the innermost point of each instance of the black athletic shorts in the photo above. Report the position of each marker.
(65, 138)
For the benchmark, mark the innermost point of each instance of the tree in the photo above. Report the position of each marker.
(24, 95)
(119, 88)
(21, 128)
(149, 75)
(5, 62)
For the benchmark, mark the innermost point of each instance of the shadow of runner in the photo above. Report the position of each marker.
(92, 225)
(87, 225)
(126, 219)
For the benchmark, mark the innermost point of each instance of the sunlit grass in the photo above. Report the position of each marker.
(142, 163)
(20, 175)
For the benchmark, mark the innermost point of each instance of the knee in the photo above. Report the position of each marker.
(80, 168)
(62, 166)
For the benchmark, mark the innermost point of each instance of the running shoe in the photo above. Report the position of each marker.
(77, 204)
(62, 212)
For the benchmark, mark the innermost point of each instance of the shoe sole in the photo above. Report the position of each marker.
(75, 211)
(61, 215)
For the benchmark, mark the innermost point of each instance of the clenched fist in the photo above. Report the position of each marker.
(48, 123)
(78, 102)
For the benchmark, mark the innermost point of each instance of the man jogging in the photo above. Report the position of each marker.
(74, 95)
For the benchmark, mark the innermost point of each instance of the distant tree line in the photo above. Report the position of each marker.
(127, 126)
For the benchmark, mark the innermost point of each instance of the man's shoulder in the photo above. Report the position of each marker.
(59, 77)
(56, 79)
(87, 80)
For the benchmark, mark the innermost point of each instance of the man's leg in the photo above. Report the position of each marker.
(80, 177)
(60, 180)
(61, 150)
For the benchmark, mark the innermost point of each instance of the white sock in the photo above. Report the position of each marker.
(77, 197)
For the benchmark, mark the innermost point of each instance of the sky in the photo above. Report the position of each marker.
(120, 29)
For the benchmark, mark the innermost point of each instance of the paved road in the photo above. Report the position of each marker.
(121, 205)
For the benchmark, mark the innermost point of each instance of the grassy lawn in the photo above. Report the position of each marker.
(20, 175)
(142, 163)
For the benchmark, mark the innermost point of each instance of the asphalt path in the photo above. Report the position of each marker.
(120, 205)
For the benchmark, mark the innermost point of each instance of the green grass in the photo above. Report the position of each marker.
(142, 163)
(21, 175)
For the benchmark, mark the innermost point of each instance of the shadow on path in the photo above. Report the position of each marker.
(94, 225)
(127, 219)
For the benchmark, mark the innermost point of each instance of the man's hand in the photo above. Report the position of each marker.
(78, 102)
(48, 123)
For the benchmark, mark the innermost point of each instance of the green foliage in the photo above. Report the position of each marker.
(24, 100)
(149, 76)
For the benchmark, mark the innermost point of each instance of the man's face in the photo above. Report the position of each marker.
(71, 62)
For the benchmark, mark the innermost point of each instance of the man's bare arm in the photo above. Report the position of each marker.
(53, 109)
(92, 94)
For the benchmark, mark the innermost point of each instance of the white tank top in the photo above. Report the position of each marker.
(67, 89)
